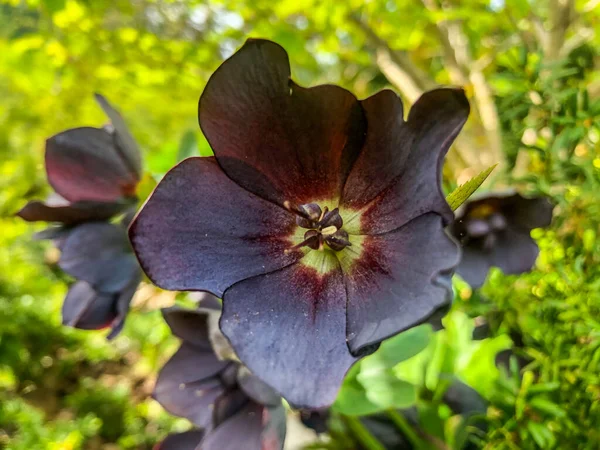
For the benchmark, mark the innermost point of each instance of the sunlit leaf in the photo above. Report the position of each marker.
(462, 193)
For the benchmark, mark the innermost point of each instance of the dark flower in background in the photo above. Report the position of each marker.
(234, 408)
(320, 220)
(495, 231)
(94, 172)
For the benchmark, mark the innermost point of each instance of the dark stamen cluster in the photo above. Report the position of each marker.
(324, 226)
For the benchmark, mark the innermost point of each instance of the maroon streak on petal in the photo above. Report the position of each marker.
(288, 328)
(70, 214)
(274, 422)
(302, 141)
(84, 165)
(189, 325)
(201, 231)
(99, 253)
(400, 280)
(130, 152)
(188, 440)
(397, 176)
(242, 431)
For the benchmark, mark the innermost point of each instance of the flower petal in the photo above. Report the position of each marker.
(474, 265)
(256, 389)
(275, 138)
(188, 384)
(130, 151)
(201, 231)
(242, 431)
(527, 213)
(188, 440)
(400, 279)
(87, 309)
(99, 253)
(397, 176)
(515, 251)
(188, 325)
(288, 328)
(70, 214)
(122, 305)
(84, 165)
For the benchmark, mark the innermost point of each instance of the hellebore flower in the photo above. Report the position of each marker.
(93, 171)
(235, 409)
(99, 256)
(495, 231)
(319, 221)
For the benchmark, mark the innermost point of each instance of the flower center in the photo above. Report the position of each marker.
(323, 227)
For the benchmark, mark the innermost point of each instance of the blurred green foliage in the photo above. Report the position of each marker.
(531, 72)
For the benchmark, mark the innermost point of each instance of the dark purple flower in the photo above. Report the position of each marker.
(495, 231)
(319, 221)
(99, 256)
(235, 409)
(93, 171)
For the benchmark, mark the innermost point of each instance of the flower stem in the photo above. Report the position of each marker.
(408, 431)
(365, 437)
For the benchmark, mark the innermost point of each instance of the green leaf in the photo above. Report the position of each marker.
(385, 390)
(188, 146)
(352, 400)
(462, 193)
(546, 406)
(398, 348)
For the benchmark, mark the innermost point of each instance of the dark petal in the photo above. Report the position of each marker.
(87, 309)
(201, 231)
(84, 165)
(288, 328)
(257, 390)
(274, 420)
(477, 227)
(315, 419)
(242, 431)
(100, 254)
(70, 213)
(188, 440)
(515, 251)
(187, 385)
(229, 404)
(126, 143)
(275, 138)
(401, 278)
(474, 264)
(527, 213)
(188, 325)
(122, 305)
(57, 234)
(397, 176)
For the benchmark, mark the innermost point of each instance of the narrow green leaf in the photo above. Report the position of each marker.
(462, 193)
(188, 146)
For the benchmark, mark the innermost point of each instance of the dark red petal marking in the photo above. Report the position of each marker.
(275, 138)
(288, 328)
(242, 431)
(201, 231)
(83, 165)
(188, 384)
(99, 253)
(396, 283)
(397, 176)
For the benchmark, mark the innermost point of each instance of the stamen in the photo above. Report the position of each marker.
(328, 231)
(312, 239)
(296, 210)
